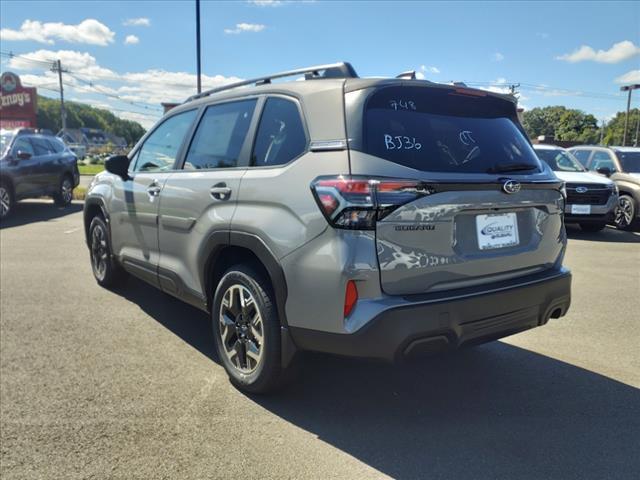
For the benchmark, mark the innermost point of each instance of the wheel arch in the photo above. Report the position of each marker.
(8, 181)
(93, 206)
(225, 249)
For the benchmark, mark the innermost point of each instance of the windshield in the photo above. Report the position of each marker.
(5, 141)
(560, 160)
(630, 161)
(446, 130)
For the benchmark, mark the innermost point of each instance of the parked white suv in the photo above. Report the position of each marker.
(591, 198)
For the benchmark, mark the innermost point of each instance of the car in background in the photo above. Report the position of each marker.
(622, 165)
(591, 199)
(35, 165)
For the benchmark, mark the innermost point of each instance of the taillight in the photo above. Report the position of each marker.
(356, 203)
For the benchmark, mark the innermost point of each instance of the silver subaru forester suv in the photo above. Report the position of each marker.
(378, 218)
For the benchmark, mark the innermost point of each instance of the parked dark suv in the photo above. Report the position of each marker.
(35, 165)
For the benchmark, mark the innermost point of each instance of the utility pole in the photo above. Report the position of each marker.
(627, 88)
(512, 88)
(57, 66)
(198, 44)
(602, 124)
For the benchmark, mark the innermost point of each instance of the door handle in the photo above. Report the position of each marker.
(154, 189)
(220, 191)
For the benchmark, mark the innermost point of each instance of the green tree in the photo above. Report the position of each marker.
(561, 123)
(81, 115)
(614, 131)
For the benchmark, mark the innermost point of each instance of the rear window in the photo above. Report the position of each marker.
(445, 130)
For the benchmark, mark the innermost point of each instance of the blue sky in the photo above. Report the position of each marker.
(565, 53)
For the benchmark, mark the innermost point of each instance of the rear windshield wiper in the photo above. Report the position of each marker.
(511, 167)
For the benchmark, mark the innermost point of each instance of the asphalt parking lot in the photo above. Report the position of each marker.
(126, 384)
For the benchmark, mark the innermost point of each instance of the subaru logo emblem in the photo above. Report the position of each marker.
(581, 189)
(511, 186)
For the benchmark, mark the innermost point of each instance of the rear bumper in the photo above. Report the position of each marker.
(427, 326)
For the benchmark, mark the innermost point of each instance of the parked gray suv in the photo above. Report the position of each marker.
(379, 218)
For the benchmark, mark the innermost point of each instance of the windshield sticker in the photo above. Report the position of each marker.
(401, 142)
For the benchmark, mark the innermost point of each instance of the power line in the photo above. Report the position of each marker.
(27, 59)
(109, 94)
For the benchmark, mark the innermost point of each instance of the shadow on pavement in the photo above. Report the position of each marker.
(38, 211)
(495, 411)
(609, 234)
(189, 323)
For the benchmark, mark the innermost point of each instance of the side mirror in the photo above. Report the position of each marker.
(118, 165)
(22, 155)
(604, 171)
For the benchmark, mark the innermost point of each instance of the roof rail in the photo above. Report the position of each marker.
(409, 74)
(331, 70)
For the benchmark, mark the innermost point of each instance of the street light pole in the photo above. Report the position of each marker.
(627, 88)
(198, 44)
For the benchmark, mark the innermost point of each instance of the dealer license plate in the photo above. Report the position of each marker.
(497, 230)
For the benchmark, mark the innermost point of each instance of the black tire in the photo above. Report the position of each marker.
(64, 194)
(626, 211)
(7, 200)
(105, 269)
(593, 227)
(267, 374)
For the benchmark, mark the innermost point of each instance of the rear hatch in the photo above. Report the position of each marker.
(476, 205)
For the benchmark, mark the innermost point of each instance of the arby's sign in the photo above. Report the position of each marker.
(18, 104)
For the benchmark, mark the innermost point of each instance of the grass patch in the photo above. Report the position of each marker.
(79, 193)
(90, 169)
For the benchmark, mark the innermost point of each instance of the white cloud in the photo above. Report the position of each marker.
(500, 81)
(429, 69)
(89, 31)
(147, 89)
(420, 75)
(617, 53)
(131, 40)
(245, 27)
(266, 3)
(630, 77)
(497, 57)
(78, 62)
(137, 22)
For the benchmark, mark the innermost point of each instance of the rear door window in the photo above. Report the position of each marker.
(220, 136)
(41, 146)
(446, 130)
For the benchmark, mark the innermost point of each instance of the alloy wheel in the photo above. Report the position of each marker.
(241, 329)
(5, 202)
(66, 191)
(99, 251)
(624, 212)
